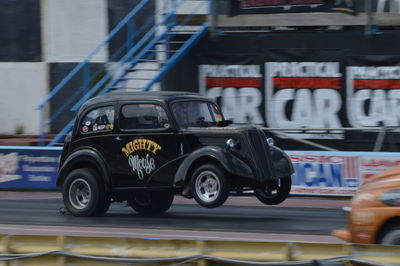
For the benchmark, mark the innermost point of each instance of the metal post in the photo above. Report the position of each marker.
(212, 16)
(379, 139)
(368, 13)
(41, 128)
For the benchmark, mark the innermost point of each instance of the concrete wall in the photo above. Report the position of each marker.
(73, 28)
(22, 87)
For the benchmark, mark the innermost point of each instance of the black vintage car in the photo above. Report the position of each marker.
(145, 147)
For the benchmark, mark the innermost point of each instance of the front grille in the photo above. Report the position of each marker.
(261, 156)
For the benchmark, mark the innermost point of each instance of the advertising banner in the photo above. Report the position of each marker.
(316, 172)
(312, 89)
(238, 89)
(373, 91)
(290, 6)
(28, 167)
(336, 173)
(303, 97)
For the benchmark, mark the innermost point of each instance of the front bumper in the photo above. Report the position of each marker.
(342, 234)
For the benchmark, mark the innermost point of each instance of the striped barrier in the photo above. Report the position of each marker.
(67, 250)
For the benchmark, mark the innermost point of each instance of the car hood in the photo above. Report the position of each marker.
(369, 193)
(231, 127)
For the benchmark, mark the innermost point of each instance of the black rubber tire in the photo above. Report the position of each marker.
(221, 183)
(390, 236)
(151, 202)
(281, 192)
(98, 201)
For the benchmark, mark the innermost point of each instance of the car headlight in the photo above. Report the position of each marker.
(270, 142)
(391, 197)
(231, 143)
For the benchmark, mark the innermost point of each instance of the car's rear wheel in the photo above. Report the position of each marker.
(275, 191)
(391, 236)
(151, 202)
(84, 193)
(210, 186)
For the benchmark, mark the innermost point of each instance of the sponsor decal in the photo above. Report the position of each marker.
(373, 96)
(139, 153)
(363, 217)
(304, 95)
(237, 88)
(359, 198)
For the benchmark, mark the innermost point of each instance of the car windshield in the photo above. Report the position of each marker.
(196, 114)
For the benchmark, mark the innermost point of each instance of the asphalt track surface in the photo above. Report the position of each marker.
(297, 219)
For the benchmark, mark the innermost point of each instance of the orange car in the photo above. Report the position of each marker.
(374, 215)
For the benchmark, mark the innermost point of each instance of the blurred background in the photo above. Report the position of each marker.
(328, 70)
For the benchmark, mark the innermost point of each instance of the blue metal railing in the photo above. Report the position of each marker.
(84, 66)
(93, 53)
(132, 52)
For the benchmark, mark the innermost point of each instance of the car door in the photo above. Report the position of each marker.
(149, 150)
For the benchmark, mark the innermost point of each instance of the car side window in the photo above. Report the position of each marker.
(97, 120)
(143, 116)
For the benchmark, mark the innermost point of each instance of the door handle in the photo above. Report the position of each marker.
(118, 138)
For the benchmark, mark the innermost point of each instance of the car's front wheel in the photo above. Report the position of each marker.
(210, 186)
(151, 202)
(84, 193)
(391, 236)
(275, 191)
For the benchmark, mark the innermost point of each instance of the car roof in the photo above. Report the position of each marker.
(164, 96)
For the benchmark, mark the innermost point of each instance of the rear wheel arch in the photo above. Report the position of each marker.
(85, 161)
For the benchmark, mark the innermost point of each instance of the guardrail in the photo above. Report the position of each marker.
(67, 250)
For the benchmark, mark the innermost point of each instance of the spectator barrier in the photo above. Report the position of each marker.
(68, 250)
(322, 173)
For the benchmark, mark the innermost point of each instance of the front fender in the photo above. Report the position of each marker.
(230, 162)
(83, 158)
(282, 164)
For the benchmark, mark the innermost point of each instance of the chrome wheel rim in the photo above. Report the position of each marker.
(79, 193)
(207, 186)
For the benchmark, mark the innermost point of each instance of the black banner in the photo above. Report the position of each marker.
(290, 6)
(309, 93)
(289, 94)
(299, 82)
(373, 91)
